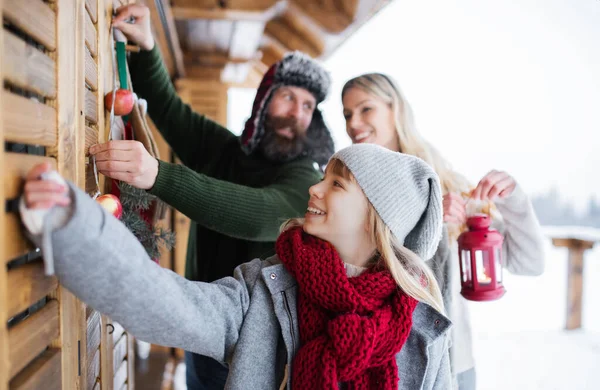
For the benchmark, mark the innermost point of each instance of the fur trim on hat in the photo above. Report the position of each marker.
(298, 70)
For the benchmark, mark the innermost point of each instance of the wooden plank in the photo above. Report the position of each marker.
(130, 362)
(574, 243)
(117, 332)
(575, 288)
(120, 375)
(28, 284)
(190, 13)
(28, 68)
(35, 18)
(28, 121)
(30, 337)
(92, 8)
(5, 363)
(70, 61)
(91, 106)
(91, 38)
(43, 373)
(16, 243)
(120, 352)
(17, 166)
(106, 355)
(93, 334)
(91, 138)
(91, 71)
(93, 370)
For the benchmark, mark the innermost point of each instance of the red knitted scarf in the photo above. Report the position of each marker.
(350, 328)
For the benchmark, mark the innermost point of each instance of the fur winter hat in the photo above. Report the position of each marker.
(298, 70)
(404, 190)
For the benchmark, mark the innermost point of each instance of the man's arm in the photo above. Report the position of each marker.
(235, 210)
(193, 137)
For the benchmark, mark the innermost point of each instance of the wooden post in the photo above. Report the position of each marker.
(576, 249)
(71, 164)
(4, 363)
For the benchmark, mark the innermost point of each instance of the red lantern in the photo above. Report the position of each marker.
(480, 254)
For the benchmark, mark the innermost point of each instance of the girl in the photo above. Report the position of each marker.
(376, 112)
(347, 302)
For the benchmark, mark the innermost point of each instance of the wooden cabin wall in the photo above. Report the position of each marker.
(56, 66)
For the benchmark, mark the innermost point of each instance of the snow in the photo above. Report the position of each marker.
(520, 341)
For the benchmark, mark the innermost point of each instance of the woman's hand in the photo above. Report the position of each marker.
(494, 184)
(42, 193)
(455, 211)
(138, 32)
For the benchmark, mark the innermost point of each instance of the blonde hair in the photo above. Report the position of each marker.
(409, 271)
(410, 141)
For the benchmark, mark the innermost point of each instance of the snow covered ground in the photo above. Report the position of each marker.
(520, 341)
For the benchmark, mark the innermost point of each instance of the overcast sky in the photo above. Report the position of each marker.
(510, 85)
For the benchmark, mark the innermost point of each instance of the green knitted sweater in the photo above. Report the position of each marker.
(236, 202)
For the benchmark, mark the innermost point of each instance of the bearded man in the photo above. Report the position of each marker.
(236, 190)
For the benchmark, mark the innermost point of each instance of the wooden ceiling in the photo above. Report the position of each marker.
(235, 41)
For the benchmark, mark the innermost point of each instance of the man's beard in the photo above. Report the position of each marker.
(280, 149)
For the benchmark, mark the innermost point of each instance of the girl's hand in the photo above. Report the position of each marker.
(494, 184)
(42, 193)
(138, 32)
(454, 209)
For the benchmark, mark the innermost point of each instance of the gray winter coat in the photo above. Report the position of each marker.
(248, 321)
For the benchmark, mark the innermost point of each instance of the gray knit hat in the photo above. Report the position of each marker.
(404, 190)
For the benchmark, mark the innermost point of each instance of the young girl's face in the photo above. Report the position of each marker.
(369, 119)
(338, 209)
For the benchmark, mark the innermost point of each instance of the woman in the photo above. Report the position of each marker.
(346, 303)
(376, 112)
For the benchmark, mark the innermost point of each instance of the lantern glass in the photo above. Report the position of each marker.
(482, 264)
(466, 266)
(497, 257)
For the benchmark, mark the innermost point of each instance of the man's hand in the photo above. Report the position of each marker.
(138, 32)
(127, 161)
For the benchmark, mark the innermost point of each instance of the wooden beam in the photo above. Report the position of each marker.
(290, 30)
(71, 165)
(577, 248)
(35, 18)
(165, 33)
(190, 13)
(5, 365)
(243, 5)
(333, 16)
(572, 243)
(217, 59)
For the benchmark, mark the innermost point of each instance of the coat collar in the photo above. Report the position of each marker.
(426, 320)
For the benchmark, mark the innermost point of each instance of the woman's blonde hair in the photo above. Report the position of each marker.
(410, 141)
(409, 271)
